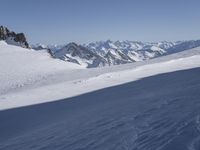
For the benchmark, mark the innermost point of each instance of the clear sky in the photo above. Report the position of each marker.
(63, 21)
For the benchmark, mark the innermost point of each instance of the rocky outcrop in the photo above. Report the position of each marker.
(13, 38)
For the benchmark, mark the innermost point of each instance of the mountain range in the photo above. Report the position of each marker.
(107, 53)
(102, 53)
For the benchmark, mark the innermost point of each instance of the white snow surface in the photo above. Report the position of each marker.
(30, 77)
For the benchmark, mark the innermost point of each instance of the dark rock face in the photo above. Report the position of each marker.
(3, 33)
(13, 38)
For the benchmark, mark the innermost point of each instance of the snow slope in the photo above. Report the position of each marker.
(20, 67)
(155, 113)
(30, 77)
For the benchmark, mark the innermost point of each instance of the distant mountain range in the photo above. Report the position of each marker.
(102, 53)
(106, 53)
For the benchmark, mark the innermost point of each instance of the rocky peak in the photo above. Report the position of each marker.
(13, 38)
(3, 33)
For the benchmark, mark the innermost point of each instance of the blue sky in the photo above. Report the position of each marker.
(63, 21)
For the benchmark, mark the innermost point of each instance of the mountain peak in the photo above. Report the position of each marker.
(13, 38)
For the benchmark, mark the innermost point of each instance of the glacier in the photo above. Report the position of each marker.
(160, 112)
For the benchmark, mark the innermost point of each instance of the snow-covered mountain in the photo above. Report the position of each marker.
(101, 53)
(47, 103)
(107, 53)
(50, 104)
(34, 75)
(13, 38)
(137, 51)
(78, 54)
(21, 66)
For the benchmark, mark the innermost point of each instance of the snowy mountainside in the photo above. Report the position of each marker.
(46, 103)
(107, 53)
(43, 79)
(104, 46)
(130, 106)
(140, 115)
(142, 50)
(20, 66)
(78, 54)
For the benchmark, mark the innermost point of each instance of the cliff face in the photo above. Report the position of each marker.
(13, 38)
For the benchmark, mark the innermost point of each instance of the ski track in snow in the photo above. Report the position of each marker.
(155, 113)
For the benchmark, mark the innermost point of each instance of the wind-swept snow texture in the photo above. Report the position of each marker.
(160, 112)
(30, 77)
